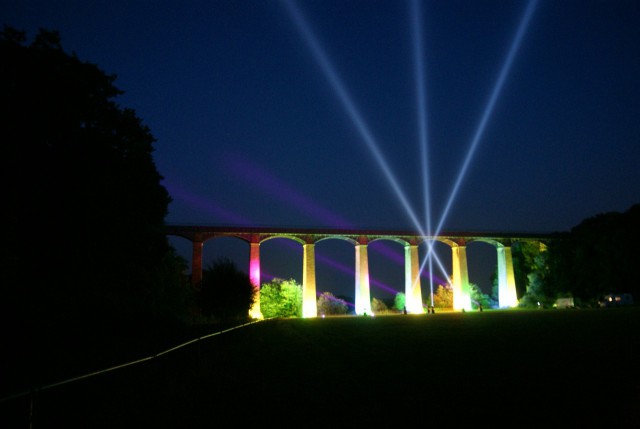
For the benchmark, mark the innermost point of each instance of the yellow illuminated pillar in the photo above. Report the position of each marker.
(309, 305)
(196, 263)
(507, 296)
(363, 296)
(412, 291)
(461, 293)
(254, 276)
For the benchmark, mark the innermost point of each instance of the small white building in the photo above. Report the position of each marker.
(564, 303)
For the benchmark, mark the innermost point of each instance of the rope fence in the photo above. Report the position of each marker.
(124, 365)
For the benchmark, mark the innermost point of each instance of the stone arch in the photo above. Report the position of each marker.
(336, 274)
(360, 238)
(411, 261)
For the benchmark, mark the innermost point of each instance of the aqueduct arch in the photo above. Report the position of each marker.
(361, 239)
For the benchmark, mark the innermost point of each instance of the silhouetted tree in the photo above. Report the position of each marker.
(531, 269)
(598, 256)
(84, 205)
(226, 293)
(524, 263)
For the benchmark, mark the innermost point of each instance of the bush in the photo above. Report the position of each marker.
(328, 304)
(226, 293)
(281, 298)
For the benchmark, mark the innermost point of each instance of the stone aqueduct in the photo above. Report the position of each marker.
(198, 235)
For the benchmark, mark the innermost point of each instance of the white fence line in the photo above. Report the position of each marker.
(113, 368)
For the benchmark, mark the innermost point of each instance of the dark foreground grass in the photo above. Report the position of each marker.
(578, 368)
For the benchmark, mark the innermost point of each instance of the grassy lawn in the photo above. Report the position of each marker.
(504, 368)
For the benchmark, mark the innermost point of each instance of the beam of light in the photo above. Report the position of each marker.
(263, 177)
(384, 251)
(435, 278)
(335, 299)
(338, 266)
(504, 71)
(256, 272)
(399, 259)
(351, 271)
(205, 204)
(353, 113)
(259, 178)
(267, 277)
(421, 100)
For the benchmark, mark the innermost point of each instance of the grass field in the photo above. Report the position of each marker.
(512, 368)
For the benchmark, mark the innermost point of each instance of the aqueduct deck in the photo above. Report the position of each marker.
(308, 237)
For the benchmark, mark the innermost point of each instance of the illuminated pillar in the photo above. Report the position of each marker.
(309, 304)
(461, 293)
(363, 296)
(196, 263)
(412, 292)
(507, 296)
(254, 276)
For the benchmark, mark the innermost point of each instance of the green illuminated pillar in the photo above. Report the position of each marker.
(254, 276)
(461, 293)
(196, 263)
(309, 304)
(412, 291)
(507, 296)
(363, 296)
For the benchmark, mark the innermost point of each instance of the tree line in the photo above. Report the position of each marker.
(595, 258)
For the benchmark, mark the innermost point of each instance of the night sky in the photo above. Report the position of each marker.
(288, 114)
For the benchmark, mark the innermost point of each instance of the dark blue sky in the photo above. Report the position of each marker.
(251, 130)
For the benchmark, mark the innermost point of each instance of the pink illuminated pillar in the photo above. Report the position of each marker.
(363, 294)
(254, 276)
